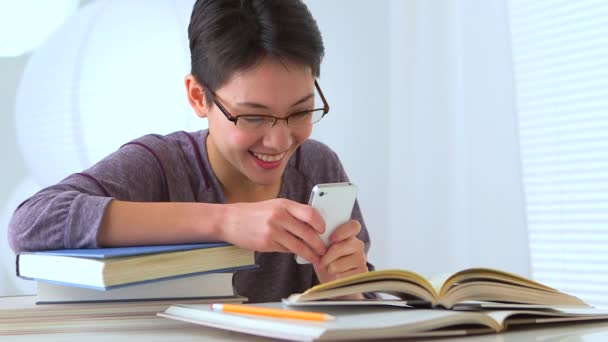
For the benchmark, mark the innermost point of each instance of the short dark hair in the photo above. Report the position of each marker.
(231, 35)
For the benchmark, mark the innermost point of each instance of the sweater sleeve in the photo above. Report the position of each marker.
(69, 214)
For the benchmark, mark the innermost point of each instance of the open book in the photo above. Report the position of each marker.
(461, 288)
(376, 322)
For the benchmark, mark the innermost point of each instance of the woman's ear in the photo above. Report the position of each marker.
(196, 96)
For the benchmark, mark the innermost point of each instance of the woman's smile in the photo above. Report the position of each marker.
(268, 161)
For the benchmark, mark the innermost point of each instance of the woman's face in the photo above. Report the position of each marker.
(271, 87)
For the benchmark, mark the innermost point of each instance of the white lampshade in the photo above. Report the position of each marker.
(112, 72)
(24, 24)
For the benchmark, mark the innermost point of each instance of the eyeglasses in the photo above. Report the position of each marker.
(258, 122)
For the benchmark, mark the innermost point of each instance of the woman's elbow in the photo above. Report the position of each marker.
(27, 232)
(17, 233)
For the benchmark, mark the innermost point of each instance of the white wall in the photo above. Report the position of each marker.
(423, 117)
(456, 197)
(354, 77)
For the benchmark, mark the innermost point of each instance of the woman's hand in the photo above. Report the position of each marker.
(345, 255)
(276, 225)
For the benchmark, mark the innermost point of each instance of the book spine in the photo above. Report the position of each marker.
(17, 266)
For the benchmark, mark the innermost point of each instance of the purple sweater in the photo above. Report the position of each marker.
(171, 168)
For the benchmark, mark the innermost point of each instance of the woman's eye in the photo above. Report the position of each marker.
(300, 115)
(253, 119)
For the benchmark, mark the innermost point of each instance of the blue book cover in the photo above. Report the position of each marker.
(114, 252)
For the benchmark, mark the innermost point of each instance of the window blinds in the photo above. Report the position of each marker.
(560, 54)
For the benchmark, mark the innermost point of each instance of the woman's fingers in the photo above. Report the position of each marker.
(305, 233)
(296, 246)
(346, 231)
(341, 254)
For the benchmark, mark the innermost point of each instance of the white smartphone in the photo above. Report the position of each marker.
(335, 202)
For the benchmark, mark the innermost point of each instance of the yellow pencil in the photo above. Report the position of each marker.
(260, 311)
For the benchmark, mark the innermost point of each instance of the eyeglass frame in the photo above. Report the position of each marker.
(235, 118)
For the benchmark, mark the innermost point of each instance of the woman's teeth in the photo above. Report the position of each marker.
(268, 157)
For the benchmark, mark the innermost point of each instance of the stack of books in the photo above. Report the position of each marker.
(143, 273)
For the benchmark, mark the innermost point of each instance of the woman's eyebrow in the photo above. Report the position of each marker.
(262, 106)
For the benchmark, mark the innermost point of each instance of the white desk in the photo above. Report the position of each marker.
(596, 332)
(153, 329)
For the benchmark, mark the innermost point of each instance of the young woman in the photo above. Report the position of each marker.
(246, 180)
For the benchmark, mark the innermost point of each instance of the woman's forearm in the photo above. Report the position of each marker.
(145, 223)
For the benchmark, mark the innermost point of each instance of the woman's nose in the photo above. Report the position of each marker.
(279, 136)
